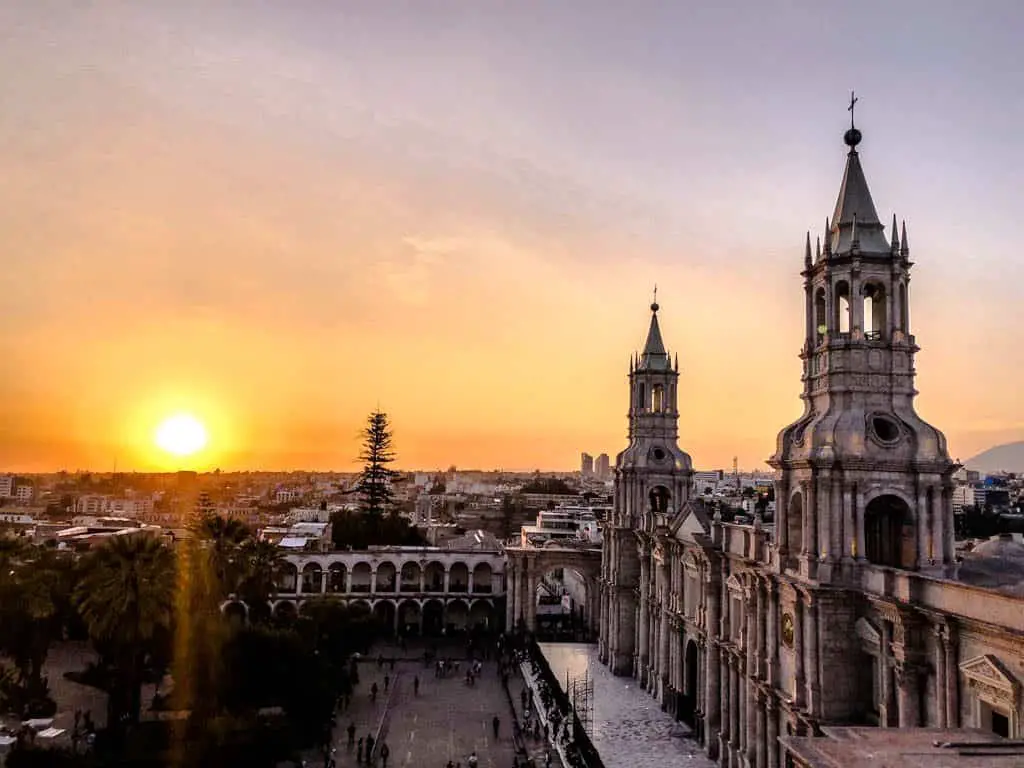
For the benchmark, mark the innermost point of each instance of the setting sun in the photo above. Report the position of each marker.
(181, 435)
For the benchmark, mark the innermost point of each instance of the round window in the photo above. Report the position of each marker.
(658, 454)
(885, 429)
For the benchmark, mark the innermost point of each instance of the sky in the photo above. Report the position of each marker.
(281, 216)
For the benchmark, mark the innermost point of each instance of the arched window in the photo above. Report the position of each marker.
(874, 311)
(820, 321)
(889, 536)
(657, 398)
(842, 305)
(641, 400)
(659, 498)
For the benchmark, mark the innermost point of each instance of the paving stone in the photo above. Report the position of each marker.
(629, 728)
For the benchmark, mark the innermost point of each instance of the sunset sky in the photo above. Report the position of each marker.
(279, 215)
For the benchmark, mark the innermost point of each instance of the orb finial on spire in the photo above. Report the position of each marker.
(852, 137)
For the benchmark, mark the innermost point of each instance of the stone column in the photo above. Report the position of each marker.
(531, 595)
(469, 584)
(906, 682)
(942, 716)
(811, 520)
(859, 515)
(850, 547)
(811, 644)
(760, 603)
(823, 517)
(798, 651)
(923, 528)
(836, 548)
(725, 710)
(885, 706)
(750, 695)
(772, 640)
(735, 732)
(664, 663)
(938, 542)
(712, 677)
(447, 576)
(782, 519)
(760, 754)
(773, 733)
(952, 679)
(510, 596)
(644, 618)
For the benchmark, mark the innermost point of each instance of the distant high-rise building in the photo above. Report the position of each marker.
(602, 467)
(586, 465)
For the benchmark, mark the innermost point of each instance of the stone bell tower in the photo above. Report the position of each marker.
(861, 478)
(652, 481)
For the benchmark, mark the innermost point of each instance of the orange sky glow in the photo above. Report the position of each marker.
(279, 233)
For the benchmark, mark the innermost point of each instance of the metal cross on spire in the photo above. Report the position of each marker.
(654, 304)
(853, 103)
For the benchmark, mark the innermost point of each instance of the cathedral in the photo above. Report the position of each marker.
(846, 609)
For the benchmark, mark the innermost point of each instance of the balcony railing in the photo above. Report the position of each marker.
(409, 586)
(482, 589)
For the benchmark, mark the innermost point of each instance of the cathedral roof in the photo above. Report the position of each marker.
(654, 357)
(855, 218)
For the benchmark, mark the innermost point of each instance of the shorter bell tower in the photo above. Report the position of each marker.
(652, 481)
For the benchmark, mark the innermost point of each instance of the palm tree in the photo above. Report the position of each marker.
(222, 537)
(260, 563)
(126, 599)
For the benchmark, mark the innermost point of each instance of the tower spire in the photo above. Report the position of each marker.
(654, 355)
(807, 251)
(895, 239)
(904, 243)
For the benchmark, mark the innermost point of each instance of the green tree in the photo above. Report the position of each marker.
(260, 562)
(221, 539)
(125, 595)
(35, 584)
(377, 455)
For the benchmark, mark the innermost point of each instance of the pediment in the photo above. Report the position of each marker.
(690, 521)
(988, 670)
(866, 632)
(734, 584)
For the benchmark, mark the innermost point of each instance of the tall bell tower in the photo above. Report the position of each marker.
(861, 478)
(652, 481)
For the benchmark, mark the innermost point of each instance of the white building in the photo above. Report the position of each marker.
(412, 590)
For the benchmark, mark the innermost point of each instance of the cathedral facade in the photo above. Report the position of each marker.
(845, 609)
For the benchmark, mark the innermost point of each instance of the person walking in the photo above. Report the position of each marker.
(387, 682)
(416, 686)
(495, 725)
(351, 734)
(369, 750)
(373, 693)
(384, 752)
(359, 751)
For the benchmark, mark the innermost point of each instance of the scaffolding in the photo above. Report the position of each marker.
(580, 691)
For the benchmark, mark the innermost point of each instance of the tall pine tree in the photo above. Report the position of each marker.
(377, 454)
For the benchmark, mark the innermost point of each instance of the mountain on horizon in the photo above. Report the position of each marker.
(1008, 457)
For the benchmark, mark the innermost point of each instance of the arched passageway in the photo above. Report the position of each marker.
(409, 618)
(482, 616)
(384, 613)
(456, 616)
(433, 618)
(688, 697)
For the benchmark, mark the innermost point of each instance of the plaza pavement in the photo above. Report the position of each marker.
(447, 721)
